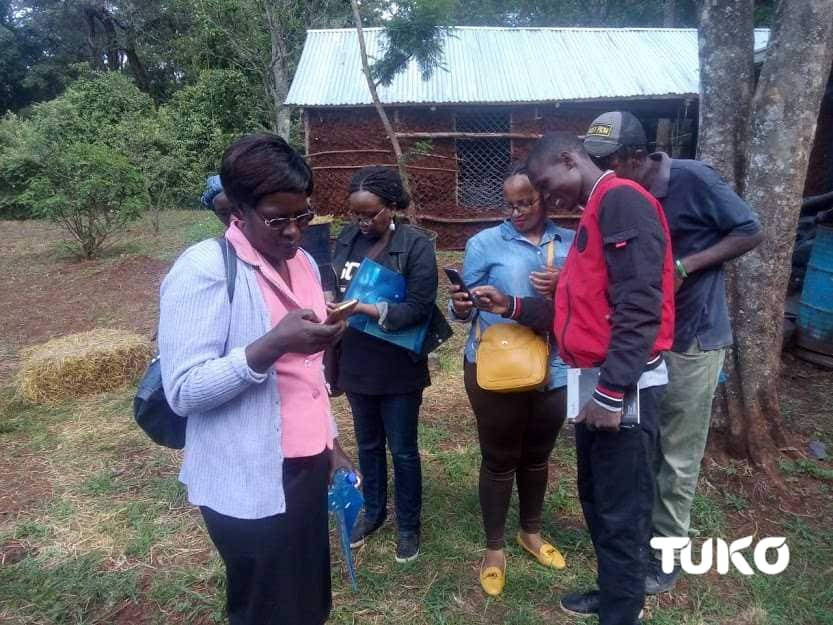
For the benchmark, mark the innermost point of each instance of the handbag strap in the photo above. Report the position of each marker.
(551, 254)
(230, 262)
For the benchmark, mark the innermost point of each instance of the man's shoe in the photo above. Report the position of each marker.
(658, 582)
(407, 547)
(361, 530)
(584, 604)
(581, 604)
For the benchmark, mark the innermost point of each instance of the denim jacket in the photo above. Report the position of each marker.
(503, 258)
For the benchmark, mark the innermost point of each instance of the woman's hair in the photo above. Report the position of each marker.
(516, 169)
(258, 165)
(383, 182)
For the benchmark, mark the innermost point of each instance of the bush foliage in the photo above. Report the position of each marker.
(103, 153)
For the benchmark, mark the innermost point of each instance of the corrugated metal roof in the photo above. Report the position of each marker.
(503, 65)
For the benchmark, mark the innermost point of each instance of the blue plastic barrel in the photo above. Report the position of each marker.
(815, 316)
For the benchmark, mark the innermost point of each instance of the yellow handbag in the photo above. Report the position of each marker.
(512, 358)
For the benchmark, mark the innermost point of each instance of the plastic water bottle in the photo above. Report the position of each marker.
(345, 501)
(344, 495)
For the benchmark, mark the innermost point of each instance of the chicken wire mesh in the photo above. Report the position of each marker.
(483, 161)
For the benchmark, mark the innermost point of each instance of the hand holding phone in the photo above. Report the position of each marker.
(340, 312)
(456, 279)
(461, 299)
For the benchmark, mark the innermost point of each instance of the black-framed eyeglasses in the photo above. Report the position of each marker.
(520, 207)
(364, 219)
(302, 220)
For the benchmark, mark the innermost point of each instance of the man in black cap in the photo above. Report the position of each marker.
(709, 225)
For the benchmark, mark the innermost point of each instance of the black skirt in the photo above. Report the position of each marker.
(278, 567)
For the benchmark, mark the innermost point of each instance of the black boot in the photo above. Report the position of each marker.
(657, 581)
(585, 604)
(362, 529)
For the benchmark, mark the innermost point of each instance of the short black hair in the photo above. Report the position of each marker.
(258, 165)
(551, 145)
(515, 169)
(383, 182)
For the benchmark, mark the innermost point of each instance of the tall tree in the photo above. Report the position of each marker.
(265, 39)
(764, 147)
(414, 32)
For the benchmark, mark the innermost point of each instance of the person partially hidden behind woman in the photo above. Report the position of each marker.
(517, 431)
(384, 382)
(215, 199)
(261, 441)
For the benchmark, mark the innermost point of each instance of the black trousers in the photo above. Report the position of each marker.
(278, 567)
(390, 420)
(616, 489)
(517, 433)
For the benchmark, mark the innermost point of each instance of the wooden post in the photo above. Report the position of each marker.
(374, 94)
(664, 135)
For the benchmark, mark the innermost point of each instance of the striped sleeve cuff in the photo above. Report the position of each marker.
(514, 310)
(614, 401)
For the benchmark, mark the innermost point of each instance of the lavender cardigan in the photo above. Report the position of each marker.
(233, 458)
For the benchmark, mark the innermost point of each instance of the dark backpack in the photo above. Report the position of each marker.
(151, 409)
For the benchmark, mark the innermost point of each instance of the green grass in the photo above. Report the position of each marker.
(74, 591)
(808, 467)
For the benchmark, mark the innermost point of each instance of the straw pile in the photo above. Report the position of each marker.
(82, 364)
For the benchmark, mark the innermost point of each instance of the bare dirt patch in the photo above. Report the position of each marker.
(46, 293)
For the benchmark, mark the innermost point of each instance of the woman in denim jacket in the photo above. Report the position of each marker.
(517, 431)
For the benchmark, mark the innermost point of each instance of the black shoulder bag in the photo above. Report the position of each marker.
(151, 409)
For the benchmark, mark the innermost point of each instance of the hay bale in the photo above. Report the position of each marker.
(82, 364)
(321, 219)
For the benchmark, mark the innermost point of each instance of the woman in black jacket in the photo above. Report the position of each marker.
(384, 383)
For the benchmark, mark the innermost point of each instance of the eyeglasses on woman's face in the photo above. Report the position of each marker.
(302, 220)
(521, 207)
(366, 220)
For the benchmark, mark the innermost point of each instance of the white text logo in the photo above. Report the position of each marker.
(716, 549)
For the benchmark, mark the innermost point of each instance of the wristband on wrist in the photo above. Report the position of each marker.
(681, 270)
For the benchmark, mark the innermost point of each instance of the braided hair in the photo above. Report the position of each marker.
(383, 182)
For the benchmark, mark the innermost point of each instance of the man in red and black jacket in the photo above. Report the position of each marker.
(614, 309)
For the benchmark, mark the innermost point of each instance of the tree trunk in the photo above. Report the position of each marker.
(783, 118)
(374, 94)
(727, 69)
(278, 74)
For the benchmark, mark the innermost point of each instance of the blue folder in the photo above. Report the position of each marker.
(374, 283)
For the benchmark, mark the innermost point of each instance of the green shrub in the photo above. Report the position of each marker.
(89, 189)
(20, 162)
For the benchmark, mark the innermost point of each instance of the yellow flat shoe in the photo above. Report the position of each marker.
(547, 555)
(492, 580)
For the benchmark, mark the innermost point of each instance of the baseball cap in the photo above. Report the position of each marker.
(611, 131)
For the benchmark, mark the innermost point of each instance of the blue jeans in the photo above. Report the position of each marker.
(391, 419)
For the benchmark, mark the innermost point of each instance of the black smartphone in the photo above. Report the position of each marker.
(455, 278)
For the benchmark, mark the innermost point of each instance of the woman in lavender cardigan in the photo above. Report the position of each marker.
(261, 442)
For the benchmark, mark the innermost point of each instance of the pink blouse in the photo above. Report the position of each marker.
(307, 423)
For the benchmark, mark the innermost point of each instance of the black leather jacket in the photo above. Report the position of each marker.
(411, 254)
